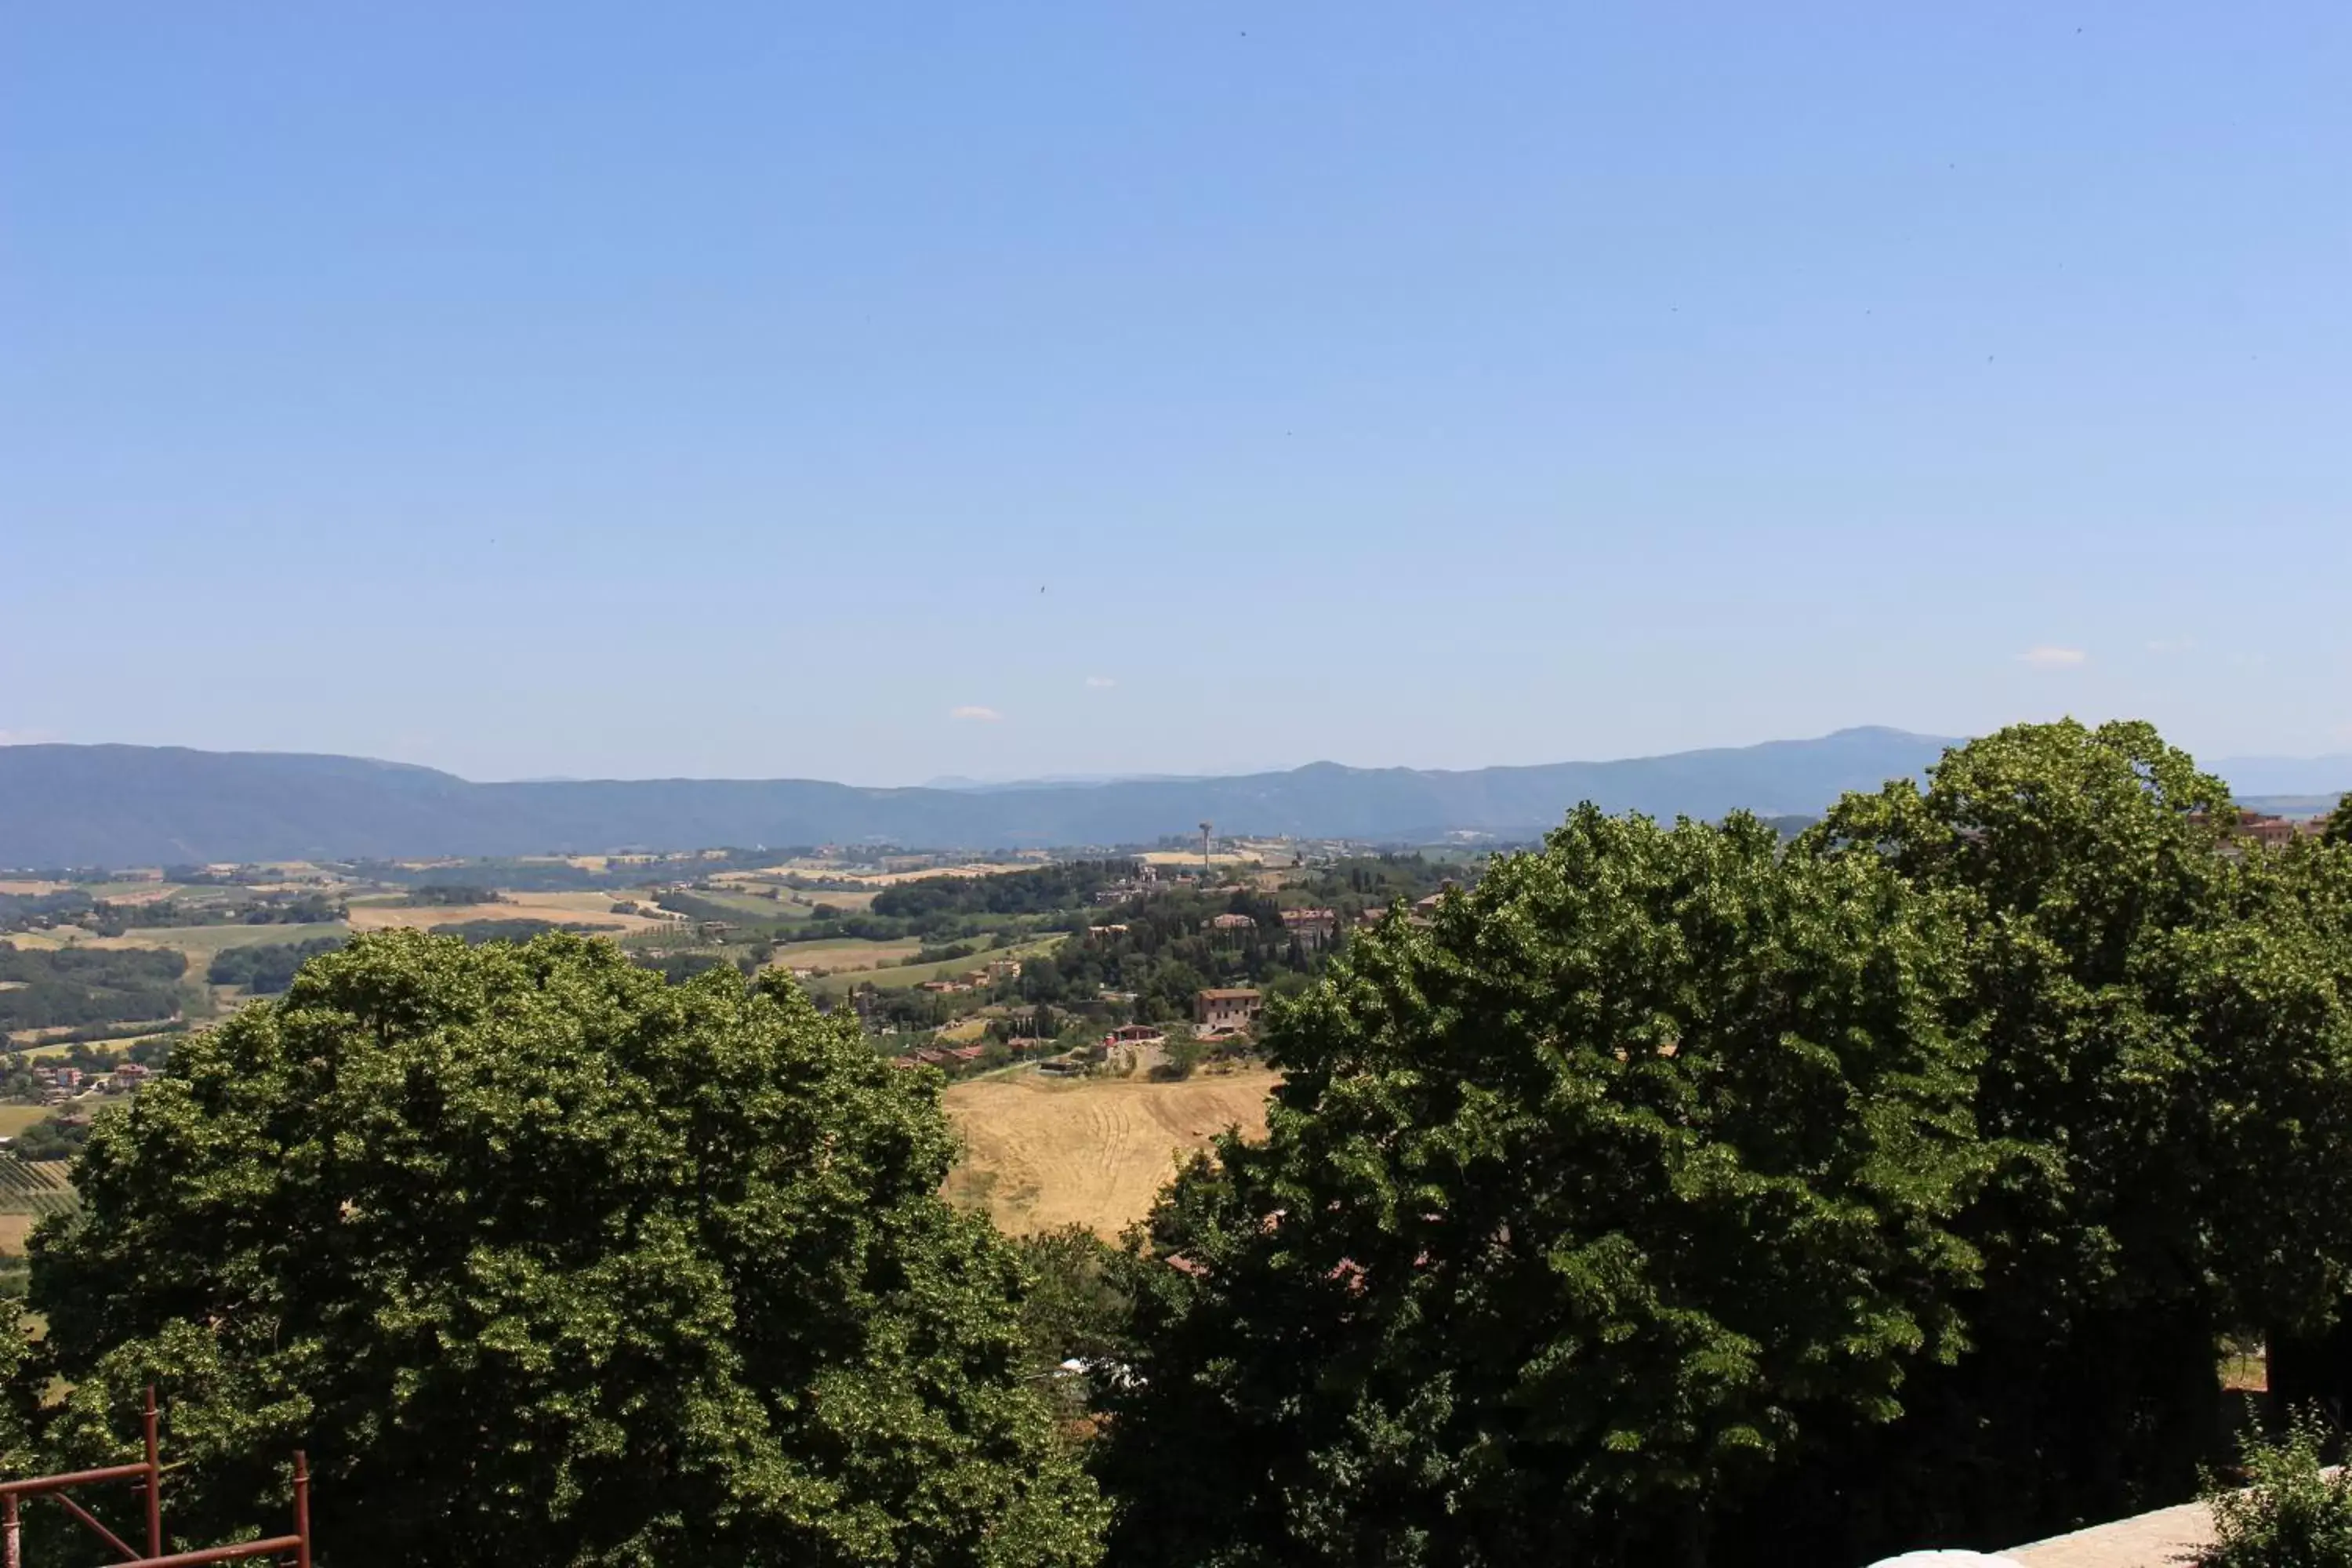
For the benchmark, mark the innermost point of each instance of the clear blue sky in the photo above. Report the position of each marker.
(623, 389)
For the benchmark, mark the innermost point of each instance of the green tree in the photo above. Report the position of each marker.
(546, 1260)
(1181, 1052)
(1075, 1309)
(20, 1391)
(2167, 1092)
(2339, 822)
(2310, 1359)
(1074, 1305)
(1577, 1212)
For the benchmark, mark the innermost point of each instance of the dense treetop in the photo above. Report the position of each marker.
(1572, 1208)
(547, 1260)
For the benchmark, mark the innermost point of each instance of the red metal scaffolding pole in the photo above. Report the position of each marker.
(149, 1475)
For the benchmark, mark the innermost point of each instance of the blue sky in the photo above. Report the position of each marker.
(712, 389)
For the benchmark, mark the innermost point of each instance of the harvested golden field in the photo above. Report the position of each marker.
(1042, 1153)
(588, 908)
(848, 954)
(892, 878)
(43, 941)
(150, 895)
(32, 890)
(200, 943)
(849, 903)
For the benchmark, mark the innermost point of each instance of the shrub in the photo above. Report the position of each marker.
(2293, 1513)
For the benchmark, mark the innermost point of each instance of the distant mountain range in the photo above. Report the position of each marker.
(141, 805)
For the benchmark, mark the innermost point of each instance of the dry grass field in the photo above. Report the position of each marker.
(43, 941)
(36, 1053)
(588, 908)
(834, 957)
(153, 894)
(1041, 1152)
(849, 903)
(15, 1118)
(201, 942)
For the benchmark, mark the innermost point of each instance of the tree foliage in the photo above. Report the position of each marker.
(45, 989)
(1576, 1213)
(266, 968)
(1044, 889)
(547, 1260)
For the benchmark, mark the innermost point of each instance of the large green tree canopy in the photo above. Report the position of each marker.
(2338, 829)
(2165, 1090)
(547, 1261)
(1890, 1189)
(1575, 1210)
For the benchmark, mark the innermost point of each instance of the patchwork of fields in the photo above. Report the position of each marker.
(1041, 1151)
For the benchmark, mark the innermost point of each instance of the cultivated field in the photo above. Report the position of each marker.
(892, 878)
(1042, 1153)
(201, 942)
(28, 1191)
(749, 905)
(898, 976)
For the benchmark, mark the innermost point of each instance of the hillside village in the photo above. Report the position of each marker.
(1095, 1015)
(1081, 966)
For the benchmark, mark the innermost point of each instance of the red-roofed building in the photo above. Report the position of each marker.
(1226, 1009)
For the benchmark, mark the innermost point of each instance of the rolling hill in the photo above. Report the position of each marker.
(127, 806)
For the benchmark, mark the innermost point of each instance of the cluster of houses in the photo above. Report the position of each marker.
(979, 978)
(1312, 928)
(1149, 881)
(1421, 912)
(2272, 831)
(949, 1058)
(58, 1084)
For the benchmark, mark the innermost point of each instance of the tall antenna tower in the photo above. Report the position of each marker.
(1205, 828)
